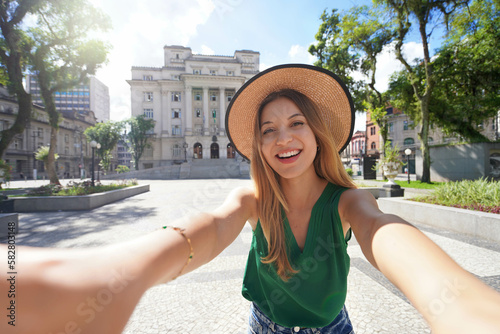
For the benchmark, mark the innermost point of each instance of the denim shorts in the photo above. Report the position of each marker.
(259, 323)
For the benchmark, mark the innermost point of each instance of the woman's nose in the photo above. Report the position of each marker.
(284, 137)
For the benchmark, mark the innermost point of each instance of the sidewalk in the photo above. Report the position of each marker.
(209, 299)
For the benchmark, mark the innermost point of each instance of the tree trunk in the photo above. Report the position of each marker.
(51, 161)
(424, 139)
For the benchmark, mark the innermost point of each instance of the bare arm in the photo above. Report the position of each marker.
(420, 269)
(96, 290)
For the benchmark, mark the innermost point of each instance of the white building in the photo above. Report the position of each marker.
(187, 98)
(92, 95)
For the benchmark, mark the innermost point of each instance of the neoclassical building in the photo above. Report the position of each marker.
(187, 98)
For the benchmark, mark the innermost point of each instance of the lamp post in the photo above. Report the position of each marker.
(185, 145)
(93, 144)
(408, 153)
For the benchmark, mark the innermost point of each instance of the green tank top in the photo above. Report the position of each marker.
(315, 295)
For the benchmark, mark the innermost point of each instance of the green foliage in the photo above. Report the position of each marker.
(5, 171)
(479, 194)
(139, 136)
(391, 155)
(122, 169)
(42, 154)
(349, 171)
(79, 188)
(107, 135)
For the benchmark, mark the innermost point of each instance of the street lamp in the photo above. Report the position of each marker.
(185, 145)
(408, 153)
(93, 144)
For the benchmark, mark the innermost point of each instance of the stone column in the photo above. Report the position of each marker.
(205, 111)
(188, 112)
(166, 115)
(222, 112)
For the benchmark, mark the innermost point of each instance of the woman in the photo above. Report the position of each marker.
(291, 122)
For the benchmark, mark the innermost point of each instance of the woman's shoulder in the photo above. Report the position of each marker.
(245, 196)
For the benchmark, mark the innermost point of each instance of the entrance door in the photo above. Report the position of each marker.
(230, 151)
(214, 151)
(198, 151)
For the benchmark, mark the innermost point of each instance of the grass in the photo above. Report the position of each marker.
(77, 189)
(413, 184)
(479, 195)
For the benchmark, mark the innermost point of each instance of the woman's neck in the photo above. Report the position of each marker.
(301, 193)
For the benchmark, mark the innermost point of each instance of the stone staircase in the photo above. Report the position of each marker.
(194, 169)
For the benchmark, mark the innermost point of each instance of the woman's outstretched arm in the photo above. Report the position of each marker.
(95, 290)
(420, 269)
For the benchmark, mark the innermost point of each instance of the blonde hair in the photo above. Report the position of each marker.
(270, 197)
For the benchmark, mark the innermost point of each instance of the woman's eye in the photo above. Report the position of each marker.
(297, 123)
(266, 131)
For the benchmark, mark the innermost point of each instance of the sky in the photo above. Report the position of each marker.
(281, 31)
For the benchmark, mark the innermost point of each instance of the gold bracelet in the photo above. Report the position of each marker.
(191, 252)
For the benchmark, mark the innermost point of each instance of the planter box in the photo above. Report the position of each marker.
(475, 223)
(74, 203)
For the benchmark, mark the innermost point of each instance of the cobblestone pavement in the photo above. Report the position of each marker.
(209, 299)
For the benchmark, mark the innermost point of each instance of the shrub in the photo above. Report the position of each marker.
(122, 169)
(480, 195)
(349, 171)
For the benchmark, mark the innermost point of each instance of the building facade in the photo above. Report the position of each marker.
(188, 97)
(403, 133)
(92, 95)
(72, 147)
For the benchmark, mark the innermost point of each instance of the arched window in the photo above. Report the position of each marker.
(374, 146)
(230, 151)
(408, 141)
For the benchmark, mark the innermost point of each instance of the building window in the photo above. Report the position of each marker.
(430, 140)
(391, 127)
(176, 130)
(408, 141)
(177, 150)
(389, 111)
(148, 96)
(213, 72)
(405, 125)
(176, 113)
(213, 97)
(66, 150)
(214, 113)
(197, 97)
(176, 96)
(176, 77)
(196, 71)
(66, 138)
(230, 73)
(198, 113)
(229, 98)
(372, 130)
(40, 133)
(147, 78)
(148, 113)
(374, 146)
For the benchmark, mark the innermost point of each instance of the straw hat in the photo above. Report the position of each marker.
(321, 86)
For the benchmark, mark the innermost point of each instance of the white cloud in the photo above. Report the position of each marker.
(140, 30)
(205, 50)
(299, 54)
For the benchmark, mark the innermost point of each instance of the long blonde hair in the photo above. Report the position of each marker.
(270, 197)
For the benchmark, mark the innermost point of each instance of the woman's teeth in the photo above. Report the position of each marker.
(288, 154)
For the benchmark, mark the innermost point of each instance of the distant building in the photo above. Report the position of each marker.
(92, 95)
(188, 97)
(123, 154)
(72, 147)
(403, 133)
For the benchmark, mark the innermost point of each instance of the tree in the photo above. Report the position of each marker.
(351, 42)
(107, 134)
(63, 56)
(335, 56)
(467, 68)
(427, 15)
(139, 136)
(12, 41)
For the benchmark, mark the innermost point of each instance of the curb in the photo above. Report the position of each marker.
(475, 223)
(75, 203)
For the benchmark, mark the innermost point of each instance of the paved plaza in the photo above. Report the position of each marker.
(209, 299)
